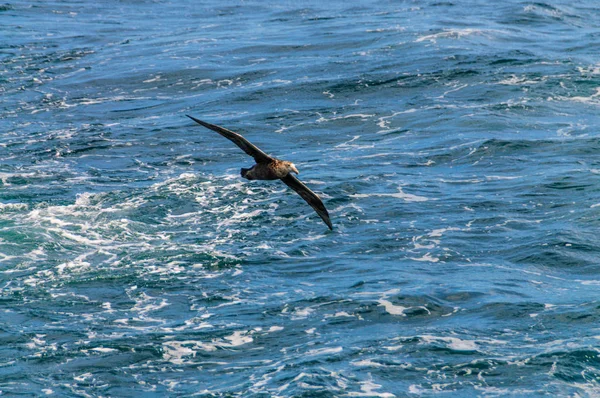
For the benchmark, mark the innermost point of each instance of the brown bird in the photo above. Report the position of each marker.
(270, 168)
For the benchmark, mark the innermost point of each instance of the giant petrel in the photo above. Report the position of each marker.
(270, 168)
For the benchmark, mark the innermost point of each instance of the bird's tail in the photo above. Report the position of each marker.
(244, 173)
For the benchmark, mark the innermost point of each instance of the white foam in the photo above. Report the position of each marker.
(13, 206)
(368, 390)
(83, 377)
(427, 257)
(393, 347)
(36, 341)
(104, 349)
(514, 392)
(452, 34)
(518, 81)
(417, 390)
(439, 232)
(302, 313)
(340, 314)
(456, 88)
(5, 176)
(589, 282)
(322, 119)
(348, 144)
(324, 351)
(395, 28)
(77, 265)
(592, 99)
(177, 351)
(536, 9)
(451, 342)
(367, 363)
(391, 308)
(407, 197)
(39, 343)
(500, 178)
(145, 303)
(237, 338)
(153, 79)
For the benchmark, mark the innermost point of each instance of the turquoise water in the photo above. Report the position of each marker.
(455, 145)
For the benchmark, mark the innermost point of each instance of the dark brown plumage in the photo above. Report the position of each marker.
(270, 168)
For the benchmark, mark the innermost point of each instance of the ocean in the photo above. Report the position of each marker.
(455, 143)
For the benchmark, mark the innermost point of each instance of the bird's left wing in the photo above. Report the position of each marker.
(309, 196)
(237, 139)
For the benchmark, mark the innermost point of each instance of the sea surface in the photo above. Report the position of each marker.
(456, 145)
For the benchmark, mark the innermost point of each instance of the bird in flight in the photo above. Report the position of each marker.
(270, 168)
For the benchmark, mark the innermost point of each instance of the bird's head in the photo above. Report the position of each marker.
(292, 168)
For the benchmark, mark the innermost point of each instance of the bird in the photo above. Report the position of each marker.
(270, 168)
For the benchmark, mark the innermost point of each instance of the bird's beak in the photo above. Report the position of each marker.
(295, 170)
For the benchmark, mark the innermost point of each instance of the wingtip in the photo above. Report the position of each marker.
(326, 220)
(201, 123)
(193, 118)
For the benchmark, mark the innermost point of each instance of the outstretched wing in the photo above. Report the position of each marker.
(237, 139)
(309, 196)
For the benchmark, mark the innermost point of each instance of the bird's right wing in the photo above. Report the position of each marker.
(237, 139)
(309, 196)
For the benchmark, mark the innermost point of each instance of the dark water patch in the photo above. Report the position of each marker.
(540, 14)
(559, 255)
(573, 366)
(503, 311)
(579, 317)
(514, 58)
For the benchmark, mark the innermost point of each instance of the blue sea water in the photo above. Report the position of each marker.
(455, 143)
